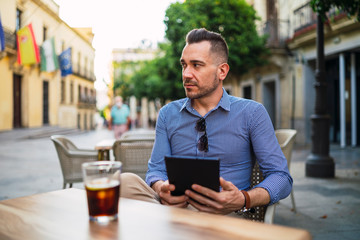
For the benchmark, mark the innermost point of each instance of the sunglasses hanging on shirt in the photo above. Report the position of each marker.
(202, 143)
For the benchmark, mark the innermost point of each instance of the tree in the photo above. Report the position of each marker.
(321, 7)
(234, 19)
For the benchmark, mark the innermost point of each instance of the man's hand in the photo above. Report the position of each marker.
(163, 189)
(204, 199)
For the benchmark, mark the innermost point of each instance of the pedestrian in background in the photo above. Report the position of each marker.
(119, 117)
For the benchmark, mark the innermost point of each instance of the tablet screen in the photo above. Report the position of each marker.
(184, 171)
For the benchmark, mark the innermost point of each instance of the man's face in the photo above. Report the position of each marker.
(199, 70)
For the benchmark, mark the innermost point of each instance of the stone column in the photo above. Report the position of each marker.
(144, 112)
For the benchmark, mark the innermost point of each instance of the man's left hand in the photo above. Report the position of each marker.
(204, 199)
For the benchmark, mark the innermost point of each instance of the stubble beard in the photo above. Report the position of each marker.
(204, 91)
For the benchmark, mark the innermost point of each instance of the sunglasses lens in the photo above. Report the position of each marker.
(200, 125)
(203, 143)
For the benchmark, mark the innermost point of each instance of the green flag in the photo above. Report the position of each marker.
(49, 61)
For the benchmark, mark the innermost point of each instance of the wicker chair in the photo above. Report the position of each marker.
(134, 153)
(286, 139)
(71, 159)
(260, 213)
(139, 133)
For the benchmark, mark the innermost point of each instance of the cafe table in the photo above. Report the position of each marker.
(63, 214)
(103, 147)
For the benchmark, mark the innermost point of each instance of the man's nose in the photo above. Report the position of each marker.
(187, 73)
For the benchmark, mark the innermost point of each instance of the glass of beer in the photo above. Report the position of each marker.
(102, 184)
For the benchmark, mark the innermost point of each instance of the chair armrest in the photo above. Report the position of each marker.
(85, 150)
(83, 153)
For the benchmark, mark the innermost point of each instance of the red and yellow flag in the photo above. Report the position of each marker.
(28, 51)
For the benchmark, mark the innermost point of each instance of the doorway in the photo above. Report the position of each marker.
(247, 92)
(17, 101)
(45, 102)
(269, 100)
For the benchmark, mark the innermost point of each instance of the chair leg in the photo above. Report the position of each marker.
(269, 214)
(64, 185)
(70, 185)
(293, 200)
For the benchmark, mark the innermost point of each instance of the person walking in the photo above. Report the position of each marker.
(119, 115)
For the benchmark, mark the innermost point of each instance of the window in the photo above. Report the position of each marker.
(92, 70)
(71, 92)
(92, 97)
(79, 93)
(44, 33)
(85, 67)
(86, 94)
(62, 91)
(18, 19)
(79, 58)
(247, 92)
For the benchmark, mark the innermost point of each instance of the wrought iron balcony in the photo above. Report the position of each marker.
(10, 39)
(303, 17)
(88, 102)
(82, 72)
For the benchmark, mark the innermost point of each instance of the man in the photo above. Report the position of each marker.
(211, 123)
(119, 115)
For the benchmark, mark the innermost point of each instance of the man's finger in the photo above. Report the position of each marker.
(225, 184)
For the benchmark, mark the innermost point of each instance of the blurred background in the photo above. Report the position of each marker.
(62, 62)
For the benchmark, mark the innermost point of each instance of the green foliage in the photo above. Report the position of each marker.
(351, 7)
(122, 77)
(234, 19)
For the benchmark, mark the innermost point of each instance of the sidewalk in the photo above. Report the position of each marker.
(327, 208)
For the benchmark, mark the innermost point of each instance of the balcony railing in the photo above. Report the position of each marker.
(278, 31)
(86, 101)
(304, 17)
(81, 72)
(10, 39)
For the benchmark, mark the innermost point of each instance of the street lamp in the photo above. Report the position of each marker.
(319, 163)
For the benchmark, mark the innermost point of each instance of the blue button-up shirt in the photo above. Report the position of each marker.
(232, 127)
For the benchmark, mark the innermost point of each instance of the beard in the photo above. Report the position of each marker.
(201, 91)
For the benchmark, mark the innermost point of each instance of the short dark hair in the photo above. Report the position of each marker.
(218, 43)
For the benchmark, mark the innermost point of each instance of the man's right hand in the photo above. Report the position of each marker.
(163, 189)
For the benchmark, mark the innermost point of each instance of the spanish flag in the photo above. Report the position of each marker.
(28, 52)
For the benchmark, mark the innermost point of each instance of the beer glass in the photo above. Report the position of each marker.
(102, 184)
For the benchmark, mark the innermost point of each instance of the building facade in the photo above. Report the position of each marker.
(33, 98)
(286, 84)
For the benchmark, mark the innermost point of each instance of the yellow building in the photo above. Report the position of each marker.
(32, 98)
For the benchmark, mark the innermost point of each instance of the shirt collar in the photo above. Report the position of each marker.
(224, 103)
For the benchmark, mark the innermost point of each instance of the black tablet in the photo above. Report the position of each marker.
(184, 171)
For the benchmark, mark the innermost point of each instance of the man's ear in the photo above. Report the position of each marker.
(223, 70)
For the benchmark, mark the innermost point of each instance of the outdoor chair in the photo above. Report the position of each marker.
(71, 158)
(286, 139)
(261, 213)
(138, 133)
(134, 153)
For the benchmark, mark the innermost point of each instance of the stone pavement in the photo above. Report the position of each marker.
(327, 208)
